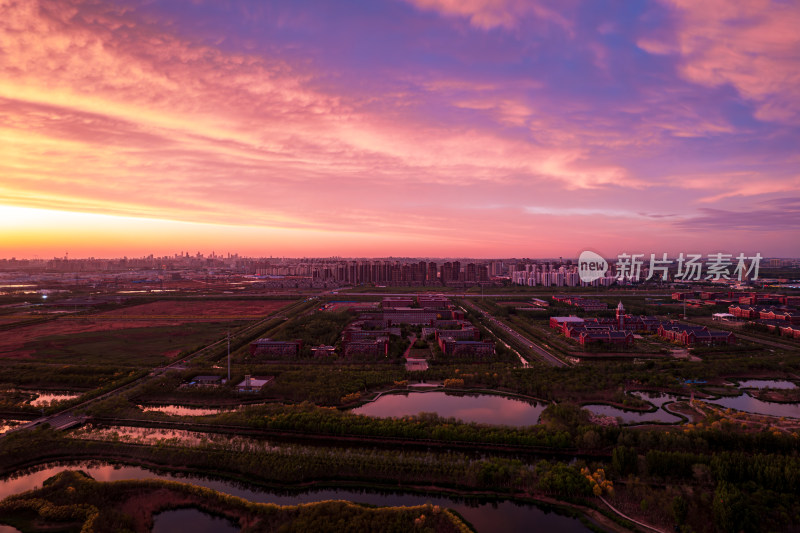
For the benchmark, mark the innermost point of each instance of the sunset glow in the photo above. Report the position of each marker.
(488, 128)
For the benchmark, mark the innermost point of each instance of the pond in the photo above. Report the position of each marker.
(481, 408)
(495, 516)
(766, 383)
(747, 403)
(6, 424)
(658, 398)
(744, 402)
(181, 410)
(192, 520)
(142, 435)
(46, 398)
(633, 417)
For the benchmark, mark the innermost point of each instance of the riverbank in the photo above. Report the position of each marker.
(74, 498)
(474, 506)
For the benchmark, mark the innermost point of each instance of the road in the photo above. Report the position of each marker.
(546, 356)
(523, 295)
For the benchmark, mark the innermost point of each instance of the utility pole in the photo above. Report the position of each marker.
(229, 355)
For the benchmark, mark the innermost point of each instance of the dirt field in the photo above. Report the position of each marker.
(19, 342)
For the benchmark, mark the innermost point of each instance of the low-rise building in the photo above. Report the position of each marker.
(690, 335)
(252, 385)
(467, 333)
(792, 316)
(790, 331)
(370, 348)
(393, 302)
(453, 348)
(684, 295)
(624, 338)
(644, 323)
(744, 311)
(323, 351)
(355, 333)
(587, 304)
(416, 316)
(276, 349)
(770, 324)
(433, 302)
(206, 381)
(558, 322)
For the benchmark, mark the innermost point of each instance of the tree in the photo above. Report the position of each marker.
(680, 509)
(564, 480)
(625, 461)
(728, 508)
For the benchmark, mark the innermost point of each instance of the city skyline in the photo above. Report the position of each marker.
(228, 255)
(417, 128)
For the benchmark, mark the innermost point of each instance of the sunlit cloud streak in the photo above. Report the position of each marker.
(474, 123)
(770, 216)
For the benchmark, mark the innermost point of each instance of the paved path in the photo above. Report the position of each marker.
(626, 517)
(414, 364)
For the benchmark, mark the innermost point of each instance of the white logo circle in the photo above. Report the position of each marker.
(591, 266)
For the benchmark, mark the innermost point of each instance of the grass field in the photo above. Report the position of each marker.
(189, 311)
(144, 346)
(139, 335)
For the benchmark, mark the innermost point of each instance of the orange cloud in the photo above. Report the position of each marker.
(108, 112)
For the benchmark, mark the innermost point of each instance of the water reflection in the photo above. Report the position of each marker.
(6, 424)
(743, 402)
(142, 435)
(180, 410)
(747, 403)
(192, 520)
(657, 398)
(481, 408)
(633, 417)
(44, 399)
(485, 516)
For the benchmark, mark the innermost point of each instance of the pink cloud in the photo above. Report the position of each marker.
(743, 184)
(751, 44)
(104, 110)
(108, 110)
(488, 14)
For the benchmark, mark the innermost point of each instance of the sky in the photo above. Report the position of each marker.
(472, 128)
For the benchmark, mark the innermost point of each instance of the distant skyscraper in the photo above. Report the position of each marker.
(432, 271)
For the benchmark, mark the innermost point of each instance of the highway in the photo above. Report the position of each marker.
(546, 356)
